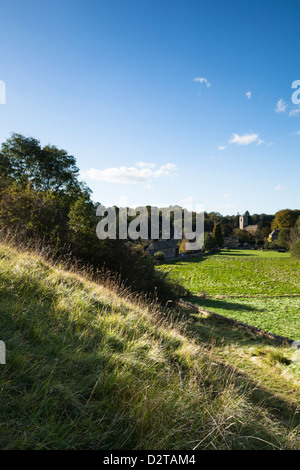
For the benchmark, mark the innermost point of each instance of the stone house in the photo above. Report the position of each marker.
(168, 247)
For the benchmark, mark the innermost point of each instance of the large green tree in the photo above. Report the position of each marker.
(285, 218)
(48, 168)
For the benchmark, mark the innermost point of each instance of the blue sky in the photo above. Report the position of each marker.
(161, 102)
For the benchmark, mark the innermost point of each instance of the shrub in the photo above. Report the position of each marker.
(159, 256)
(209, 242)
(295, 249)
(217, 235)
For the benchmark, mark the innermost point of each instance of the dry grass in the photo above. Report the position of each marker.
(90, 366)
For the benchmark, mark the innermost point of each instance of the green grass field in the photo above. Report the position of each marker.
(255, 287)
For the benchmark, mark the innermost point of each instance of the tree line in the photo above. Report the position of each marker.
(41, 198)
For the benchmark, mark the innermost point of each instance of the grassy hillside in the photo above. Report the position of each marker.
(255, 287)
(88, 367)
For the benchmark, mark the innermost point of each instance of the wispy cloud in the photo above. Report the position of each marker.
(278, 187)
(221, 147)
(281, 106)
(297, 133)
(226, 207)
(248, 95)
(245, 139)
(202, 80)
(138, 174)
(294, 111)
(145, 165)
(187, 200)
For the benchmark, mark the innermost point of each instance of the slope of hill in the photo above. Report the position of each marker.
(88, 367)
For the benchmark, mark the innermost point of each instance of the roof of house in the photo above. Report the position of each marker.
(251, 227)
(163, 244)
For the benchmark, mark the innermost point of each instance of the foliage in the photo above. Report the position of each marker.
(285, 219)
(23, 159)
(159, 256)
(283, 240)
(41, 198)
(209, 242)
(242, 235)
(33, 213)
(295, 249)
(295, 232)
(217, 235)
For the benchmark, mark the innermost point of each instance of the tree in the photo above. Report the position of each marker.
(227, 229)
(295, 249)
(242, 235)
(283, 240)
(217, 235)
(295, 232)
(209, 242)
(285, 218)
(33, 213)
(22, 159)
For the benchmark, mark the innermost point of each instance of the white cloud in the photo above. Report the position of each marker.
(145, 165)
(297, 133)
(278, 188)
(187, 200)
(130, 175)
(281, 106)
(202, 80)
(248, 94)
(245, 139)
(222, 147)
(294, 112)
(259, 142)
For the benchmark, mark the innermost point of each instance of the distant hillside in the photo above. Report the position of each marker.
(89, 368)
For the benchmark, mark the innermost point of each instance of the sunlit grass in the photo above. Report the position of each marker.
(89, 367)
(259, 288)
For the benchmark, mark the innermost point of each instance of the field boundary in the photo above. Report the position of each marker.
(254, 329)
(257, 296)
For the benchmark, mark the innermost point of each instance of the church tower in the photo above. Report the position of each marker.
(244, 220)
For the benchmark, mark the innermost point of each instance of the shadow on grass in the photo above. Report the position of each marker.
(187, 259)
(219, 330)
(236, 253)
(218, 333)
(205, 256)
(220, 303)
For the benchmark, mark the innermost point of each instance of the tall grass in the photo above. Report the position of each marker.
(90, 366)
